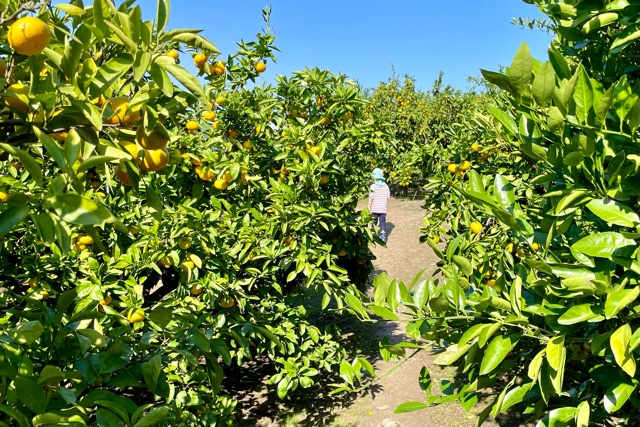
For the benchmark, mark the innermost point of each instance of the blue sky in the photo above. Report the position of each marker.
(363, 39)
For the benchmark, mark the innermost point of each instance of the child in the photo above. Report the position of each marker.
(379, 194)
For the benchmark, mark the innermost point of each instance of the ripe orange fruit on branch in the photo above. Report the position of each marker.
(19, 97)
(85, 240)
(452, 168)
(123, 176)
(154, 160)
(29, 35)
(219, 69)
(173, 54)
(207, 175)
(4, 196)
(220, 184)
(132, 149)
(136, 315)
(199, 60)
(119, 105)
(196, 290)
(184, 243)
(324, 178)
(106, 300)
(192, 126)
(465, 165)
(476, 227)
(3, 67)
(342, 252)
(476, 147)
(227, 302)
(154, 140)
(187, 265)
(209, 115)
(260, 67)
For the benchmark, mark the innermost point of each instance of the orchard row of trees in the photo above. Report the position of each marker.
(537, 201)
(157, 225)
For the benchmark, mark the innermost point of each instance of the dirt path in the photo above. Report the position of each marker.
(402, 259)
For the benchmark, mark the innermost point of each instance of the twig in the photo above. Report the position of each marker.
(28, 6)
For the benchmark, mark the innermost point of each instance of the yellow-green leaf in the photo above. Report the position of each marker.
(619, 342)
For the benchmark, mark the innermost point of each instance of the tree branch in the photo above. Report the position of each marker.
(29, 6)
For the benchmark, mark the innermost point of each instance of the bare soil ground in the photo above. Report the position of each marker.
(402, 258)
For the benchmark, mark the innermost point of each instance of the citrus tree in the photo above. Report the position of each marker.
(156, 225)
(423, 126)
(553, 329)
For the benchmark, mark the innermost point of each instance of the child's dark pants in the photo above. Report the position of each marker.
(380, 219)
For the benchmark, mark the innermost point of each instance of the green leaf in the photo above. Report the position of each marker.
(27, 161)
(543, 84)
(18, 416)
(141, 63)
(599, 21)
(614, 212)
(617, 394)
(515, 396)
(507, 121)
(162, 15)
(602, 245)
(555, 347)
(31, 394)
(521, 70)
(451, 354)
(464, 264)
(583, 95)
(110, 72)
(619, 300)
(70, 9)
(50, 374)
(583, 412)
(97, 339)
(475, 181)
(126, 40)
(185, 78)
(496, 351)
(161, 316)
(558, 417)
(383, 312)
(504, 193)
(72, 147)
(356, 305)
(497, 79)
(471, 333)
(104, 417)
(283, 387)
(76, 209)
(12, 217)
(195, 40)
(559, 63)
(625, 38)
(151, 371)
(155, 203)
(577, 314)
(27, 333)
(410, 407)
(154, 417)
(161, 78)
(536, 364)
(620, 342)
